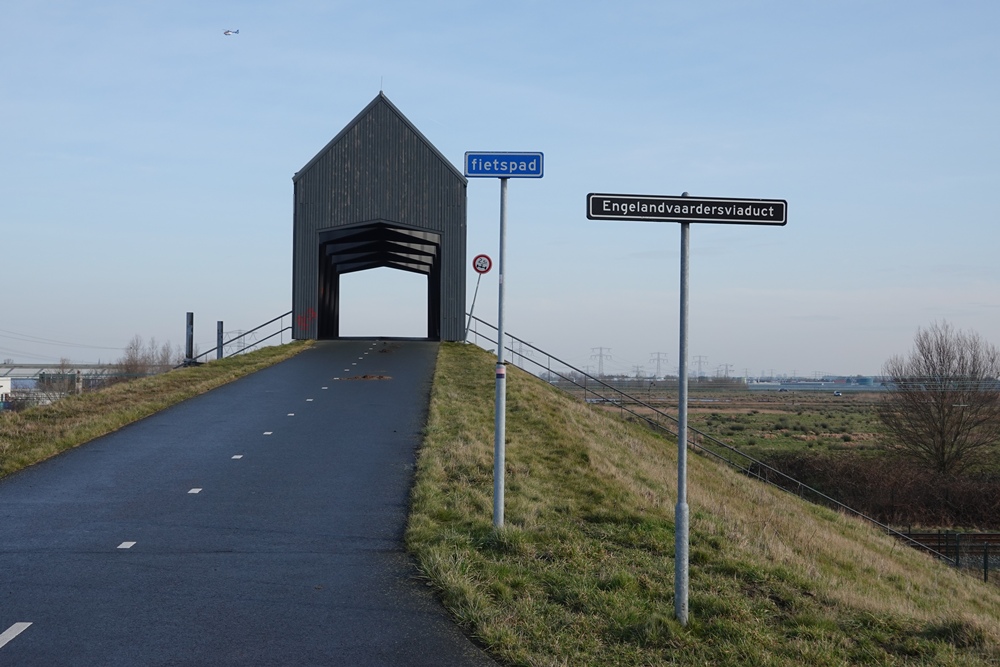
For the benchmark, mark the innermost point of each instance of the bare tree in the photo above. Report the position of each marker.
(942, 407)
(132, 363)
(143, 358)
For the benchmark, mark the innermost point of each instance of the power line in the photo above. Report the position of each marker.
(25, 355)
(28, 338)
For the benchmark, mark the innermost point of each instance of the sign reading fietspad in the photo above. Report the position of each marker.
(503, 165)
(654, 208)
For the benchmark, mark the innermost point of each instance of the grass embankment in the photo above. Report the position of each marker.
(38, 433)
(582, 572)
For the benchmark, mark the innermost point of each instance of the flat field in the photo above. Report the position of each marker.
(790, 421)
(762, 423)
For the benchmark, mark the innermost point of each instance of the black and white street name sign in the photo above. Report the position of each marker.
(685, 210)
(656, 208)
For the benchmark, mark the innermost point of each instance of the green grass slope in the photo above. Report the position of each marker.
(582, 573)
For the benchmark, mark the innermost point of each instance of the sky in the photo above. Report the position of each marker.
(146, 162)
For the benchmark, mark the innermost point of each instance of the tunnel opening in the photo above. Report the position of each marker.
(383, 303)
(346, 251)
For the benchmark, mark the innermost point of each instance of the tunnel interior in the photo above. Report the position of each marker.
(373, 245)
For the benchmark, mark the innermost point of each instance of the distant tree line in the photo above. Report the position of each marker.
(897, 490)
(147, 358)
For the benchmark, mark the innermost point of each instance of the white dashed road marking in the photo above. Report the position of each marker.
(238, 456)
(126, 545)
(195, 491)
(12, 631)
(268, 432)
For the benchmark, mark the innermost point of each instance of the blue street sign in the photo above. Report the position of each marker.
(503, 165)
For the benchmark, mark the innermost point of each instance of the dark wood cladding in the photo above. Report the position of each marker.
(379, 170)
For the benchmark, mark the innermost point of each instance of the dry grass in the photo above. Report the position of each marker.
(582, 573)
(38, 433)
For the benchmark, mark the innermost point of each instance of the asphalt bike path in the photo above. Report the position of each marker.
(259, 524)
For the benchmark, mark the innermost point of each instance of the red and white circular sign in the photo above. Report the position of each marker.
(482, 263)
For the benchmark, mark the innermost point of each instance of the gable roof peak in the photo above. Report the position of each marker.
(379, 100)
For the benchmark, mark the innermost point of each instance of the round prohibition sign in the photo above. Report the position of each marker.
(482, 264)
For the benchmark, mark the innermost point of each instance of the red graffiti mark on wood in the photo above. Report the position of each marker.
(306, 318)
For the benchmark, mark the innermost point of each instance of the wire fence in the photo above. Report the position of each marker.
(975, 552)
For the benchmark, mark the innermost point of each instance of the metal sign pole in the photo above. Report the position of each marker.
(502, 165)
(685, 210)
(681, 512)
(481, 264)
(500, 419)
(473, 308)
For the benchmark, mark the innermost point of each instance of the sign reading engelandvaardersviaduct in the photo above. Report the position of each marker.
(685, 210)
(656, 208)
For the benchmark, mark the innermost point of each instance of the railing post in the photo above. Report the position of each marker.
(986, 561)
(189, 340)
(218, 338)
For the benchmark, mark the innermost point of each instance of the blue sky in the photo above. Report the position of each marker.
(146, 163)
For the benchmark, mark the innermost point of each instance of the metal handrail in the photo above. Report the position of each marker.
(246, 333)
(747, 470)
(258, 342)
